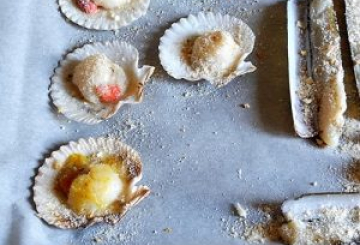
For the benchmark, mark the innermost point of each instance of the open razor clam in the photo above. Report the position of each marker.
(316, 74)
(353, 26)
(87, 182)
(71, 102)
(327, 218)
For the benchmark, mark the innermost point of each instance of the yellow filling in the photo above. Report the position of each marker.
(91, 184)
(95, 191)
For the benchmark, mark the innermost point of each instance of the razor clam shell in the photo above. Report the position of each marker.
(353, 26)
(56, 213)
(328, 72)
(171, 45)
(68, 99)
(303, 94)
(294, 209)
(102, 20)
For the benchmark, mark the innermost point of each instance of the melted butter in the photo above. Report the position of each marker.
(74, 166)
(78, 166)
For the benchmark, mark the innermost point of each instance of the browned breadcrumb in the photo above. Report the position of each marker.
(187, 50)
(320, 142)
(268, 228)
(245, 106)
(168, 230)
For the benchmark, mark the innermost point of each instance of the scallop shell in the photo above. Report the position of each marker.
(104, 19)
(69, 101)
(58, 214)
(171, 44)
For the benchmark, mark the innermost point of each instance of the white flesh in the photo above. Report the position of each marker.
(353, 24)
(328, 72)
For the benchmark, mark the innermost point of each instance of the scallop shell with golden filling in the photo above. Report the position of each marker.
(54, 210)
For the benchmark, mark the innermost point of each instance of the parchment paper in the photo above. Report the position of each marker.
(193, 139)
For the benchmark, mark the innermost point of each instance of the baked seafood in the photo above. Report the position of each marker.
(87, 182)
(94, 81)
(302, 86)
(329, 218)
(207, 46)
(316, 72)
(353, 26)
(103, 14)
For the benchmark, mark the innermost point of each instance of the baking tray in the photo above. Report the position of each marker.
(201, 150)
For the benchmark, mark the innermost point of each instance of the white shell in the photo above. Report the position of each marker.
(318, 97)
(58, 214)
(294, 209)
(104, 19)
(305, 114)
(172, 41)
(66, 96)
(322, 219)
(353, 24)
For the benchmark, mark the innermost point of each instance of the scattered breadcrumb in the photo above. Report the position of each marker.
(168, 230)
(265, 227)
(320, 142)
(240, 210)
(240, 173)
(314, 183)
(350, 142)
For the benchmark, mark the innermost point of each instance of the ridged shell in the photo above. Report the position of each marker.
(102, 20)
(172, 42)
(58, 214)
(68, 99)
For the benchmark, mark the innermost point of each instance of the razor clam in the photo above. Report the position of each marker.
(302, 88)
(316, 74)
(353, 24)
(327, 69)
(295, 208)
(326, 218)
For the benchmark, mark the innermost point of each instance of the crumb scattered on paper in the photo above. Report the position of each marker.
(245, 106)
(168, 230)
(240, 210)
(330, 225)
(266, 227)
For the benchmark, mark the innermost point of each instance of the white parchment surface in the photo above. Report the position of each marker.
(201, 150)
